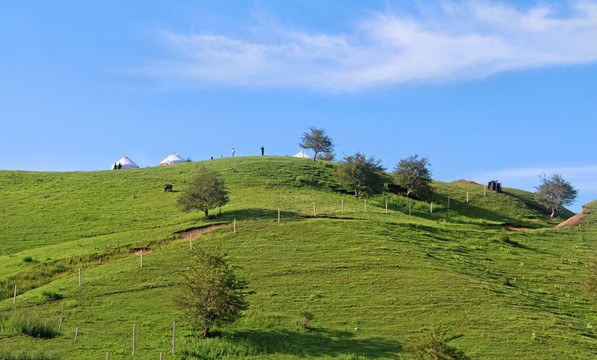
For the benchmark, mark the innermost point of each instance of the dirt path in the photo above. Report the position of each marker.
(199, 231)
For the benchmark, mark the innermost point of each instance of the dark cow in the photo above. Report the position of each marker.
(167, 187)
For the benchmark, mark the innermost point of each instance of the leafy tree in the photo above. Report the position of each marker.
(364, 176)
(412, 174)
(555, 192)
(327, 156)
(212, 294)
(205, 192)
(318, 141)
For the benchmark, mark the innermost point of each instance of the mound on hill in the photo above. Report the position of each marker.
(373, 276)
(462, 181)
(575, 219)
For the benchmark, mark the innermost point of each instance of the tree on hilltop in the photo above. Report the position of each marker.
(318, 141)
(555, 192)
(205, 192)
(364, 176)
(412, 174)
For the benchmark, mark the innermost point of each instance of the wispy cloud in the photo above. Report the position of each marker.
(456, 41)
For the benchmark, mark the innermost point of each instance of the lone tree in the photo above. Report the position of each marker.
(364, 176)
(318, 141)
(205, 192)
(555, 192)
(413, 175)
(212, 294)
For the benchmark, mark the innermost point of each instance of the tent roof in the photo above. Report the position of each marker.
(303, 155)
(172, 159)
(127, 163)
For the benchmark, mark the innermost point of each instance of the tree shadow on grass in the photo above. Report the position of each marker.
(254, 214)
(318, 342)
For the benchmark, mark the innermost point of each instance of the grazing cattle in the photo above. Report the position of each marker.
(167, 187)
(232, 169)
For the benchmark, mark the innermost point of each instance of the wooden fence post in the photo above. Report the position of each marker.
(108, 355)
(235, 226)
(484, 191)
(76, 334)
(314, 210)
(174, 337)
(14, 299)
(448, 202)
(141, 257)
(191, 242)
(409, 208)
(161, 355)
(431, 208)
(365, 206)
(386, 206)
(134, 338)
(79, 276)
(467, 196)
(342, 206)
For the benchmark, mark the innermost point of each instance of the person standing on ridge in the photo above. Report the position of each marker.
(262, 150)
(233, 152)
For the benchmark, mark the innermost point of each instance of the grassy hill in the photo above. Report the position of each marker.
(493, 271)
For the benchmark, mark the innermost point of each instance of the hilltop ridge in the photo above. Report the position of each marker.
(493, 270)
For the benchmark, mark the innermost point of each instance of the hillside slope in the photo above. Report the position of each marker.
(492, 270)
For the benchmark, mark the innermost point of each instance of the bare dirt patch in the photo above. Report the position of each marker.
(573, 220)
(468, 182)
(198, 231)
(137, 251)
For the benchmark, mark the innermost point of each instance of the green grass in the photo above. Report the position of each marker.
(391, 276)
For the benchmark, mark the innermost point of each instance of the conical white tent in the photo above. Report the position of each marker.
(125, 163)
(174, 158)
(303, 155)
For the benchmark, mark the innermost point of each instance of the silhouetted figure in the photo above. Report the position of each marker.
(119, 166)
(262, 150)
(233, 152)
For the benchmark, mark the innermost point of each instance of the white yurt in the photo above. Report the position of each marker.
(172, 159)
(124, 163)
(303, 155)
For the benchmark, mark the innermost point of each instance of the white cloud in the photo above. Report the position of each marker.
(464, 40)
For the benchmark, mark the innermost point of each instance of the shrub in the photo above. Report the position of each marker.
(505, 281)
(435, 347)
(51, 296)
(33, 327)
(307, 316)
(305, 180)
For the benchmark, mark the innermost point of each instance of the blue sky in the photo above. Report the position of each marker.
(484, 89)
